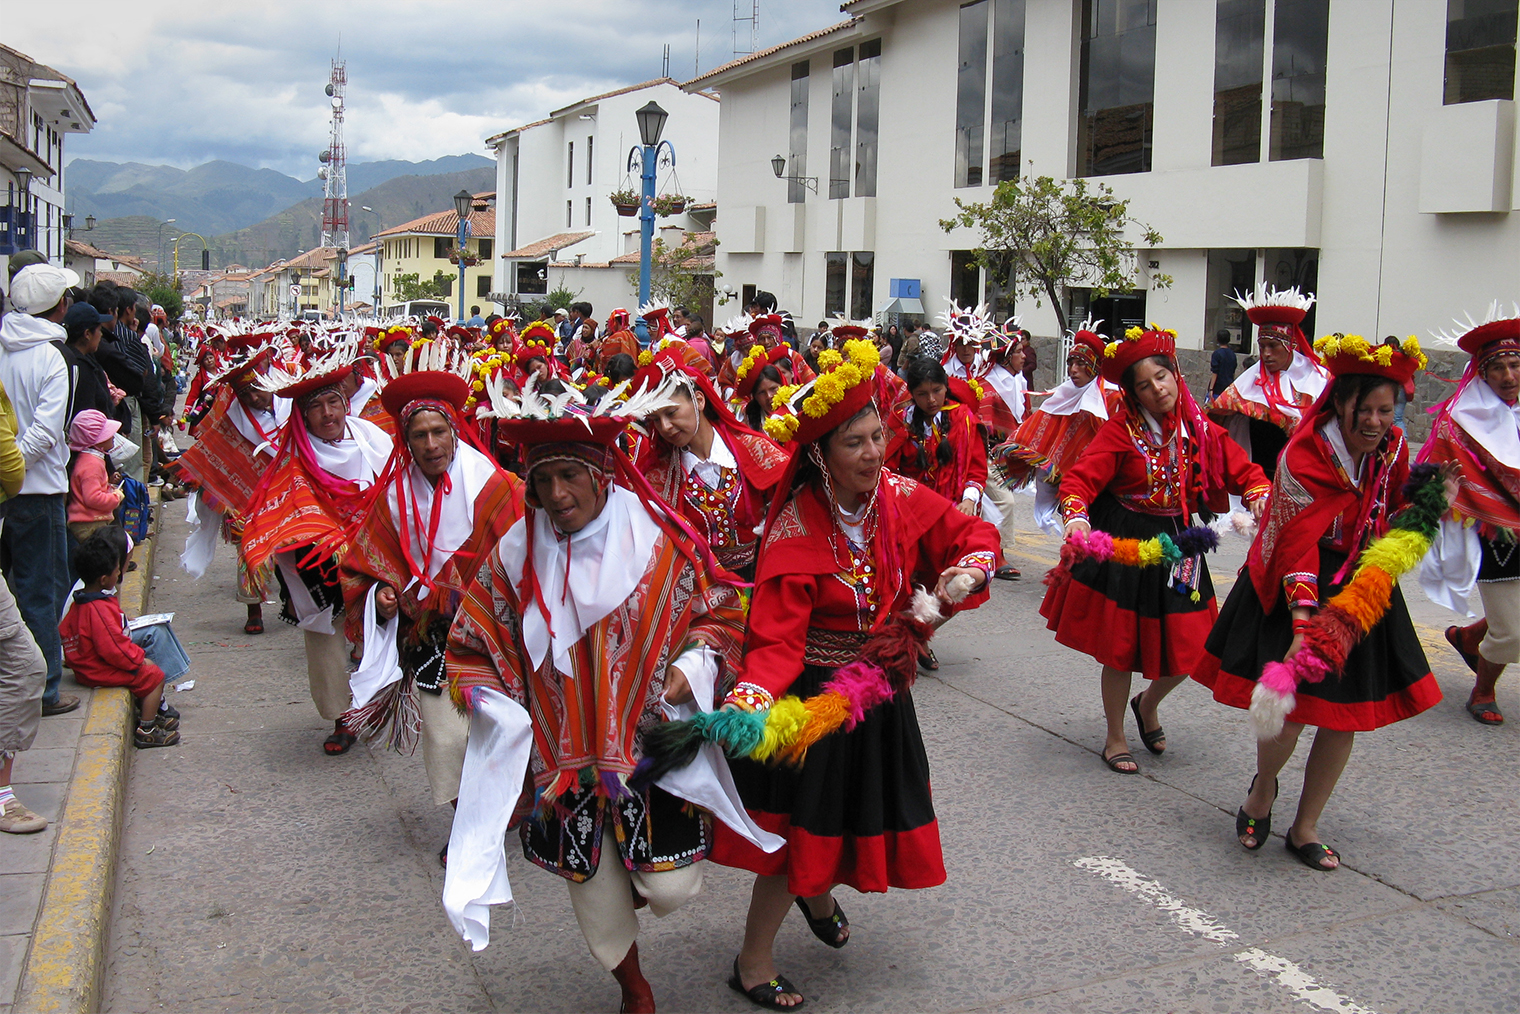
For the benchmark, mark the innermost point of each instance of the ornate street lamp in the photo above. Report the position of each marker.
(651, 125)
(462, 202)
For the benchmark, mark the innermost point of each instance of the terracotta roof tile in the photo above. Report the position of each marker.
(446, 223)
(541, 248)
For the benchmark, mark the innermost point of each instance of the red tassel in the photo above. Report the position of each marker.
(895, 647)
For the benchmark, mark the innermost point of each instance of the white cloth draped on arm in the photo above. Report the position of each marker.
(1449, 571)
(200, 544)
(381, 664)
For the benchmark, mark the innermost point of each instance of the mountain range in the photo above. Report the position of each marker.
(220, 197)
(256, 215)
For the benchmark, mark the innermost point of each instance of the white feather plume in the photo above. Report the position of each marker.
(1269, 711)
(1450, 336)
(1264, 296)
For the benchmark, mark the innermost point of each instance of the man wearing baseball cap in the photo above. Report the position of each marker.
(33, 541)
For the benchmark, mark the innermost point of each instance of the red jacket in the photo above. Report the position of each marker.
(96, 645)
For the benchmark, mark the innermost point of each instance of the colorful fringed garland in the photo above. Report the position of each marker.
(1341, 623)
(1163, 549)
(886, 666)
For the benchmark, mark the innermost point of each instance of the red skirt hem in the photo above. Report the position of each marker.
(812, 864)
(1360, 716)
(1088, 621)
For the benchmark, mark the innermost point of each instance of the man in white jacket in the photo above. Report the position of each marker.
(34, 538)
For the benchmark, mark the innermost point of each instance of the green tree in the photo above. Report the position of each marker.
(561, 298)
(409, 287)
(1041, 235)
(165, 290)
(682, 275)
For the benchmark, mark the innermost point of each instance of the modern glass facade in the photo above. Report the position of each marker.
(971, 95)
(1118, 77)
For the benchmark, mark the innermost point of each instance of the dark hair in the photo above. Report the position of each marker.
(807, 471)
(594, 393)
(753, 413)
(427, 327)
(492, 319)
(765, 300)
(621, 367)
(583, 308)
(551, 386)
(103, 298)
(474, 309)
(926, 370)
(99, 554)
(695, 318)
(1127, 381)
(1222, 337)
(1355, 389)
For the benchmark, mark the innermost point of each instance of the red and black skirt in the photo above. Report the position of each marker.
(1135, 619)
(1386, 678)
(857, 811)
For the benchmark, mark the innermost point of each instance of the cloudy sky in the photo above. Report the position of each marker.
(181, 83)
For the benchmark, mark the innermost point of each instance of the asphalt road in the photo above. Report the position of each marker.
(259, 875)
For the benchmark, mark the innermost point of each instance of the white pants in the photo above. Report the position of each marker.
(1003, 497)
(1501, 606)
(327, 673)
(445, 734)
(604, 904)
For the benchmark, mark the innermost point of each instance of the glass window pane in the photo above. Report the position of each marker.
(570, 166)
(1229, 272)
(797, 137)
(1118, 75)
(862, 282)
(1300, 29)
(965, 278)
(1480, 50)
(834, 283)
(1005, 152)
(839, 132)
(971, 95)
(1239, 47)
(1285, 268)
(867, 116)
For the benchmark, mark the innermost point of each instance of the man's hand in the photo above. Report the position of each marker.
(1257, 508)
(967, 506)
(1451, 474)
(677, 690)
(385, 602)
(942, 589)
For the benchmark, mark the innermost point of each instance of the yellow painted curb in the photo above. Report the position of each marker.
(67, 953)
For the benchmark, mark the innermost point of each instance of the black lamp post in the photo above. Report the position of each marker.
(462, 202)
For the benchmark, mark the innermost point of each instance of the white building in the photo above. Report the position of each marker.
(555, 226)
(1366, 150)
(38, 108)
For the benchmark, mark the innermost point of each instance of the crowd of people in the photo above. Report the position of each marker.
(652, 596)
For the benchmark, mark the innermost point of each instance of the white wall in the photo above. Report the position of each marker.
(1385, 266)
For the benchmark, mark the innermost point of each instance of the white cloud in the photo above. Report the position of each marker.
(182, 83)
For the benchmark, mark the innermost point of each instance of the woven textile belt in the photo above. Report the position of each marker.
(832, 648)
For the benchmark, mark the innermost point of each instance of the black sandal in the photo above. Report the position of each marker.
(1454, 638)
(764, 995)
(1149, 739)
(927, 661)
(1121, 758)
(1312, 853)
(829, 927)
(340, 741)
(1257, 827)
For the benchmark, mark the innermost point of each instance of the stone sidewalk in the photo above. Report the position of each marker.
(57, 883)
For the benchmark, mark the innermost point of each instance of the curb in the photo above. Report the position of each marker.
(64, 963)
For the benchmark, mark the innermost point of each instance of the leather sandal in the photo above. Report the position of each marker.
(829, 927)
(1257, 827)
(340, 741)
(1454, 638)
(1312, 853)
(1149, 739)
(765, 994)
(1485, 712)
(1121, 758)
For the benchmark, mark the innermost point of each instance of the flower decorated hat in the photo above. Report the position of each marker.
(1351, 353)
(1137, 344)
(845, 384)
(755, 362)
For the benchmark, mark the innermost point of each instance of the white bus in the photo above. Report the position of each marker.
(419, 308)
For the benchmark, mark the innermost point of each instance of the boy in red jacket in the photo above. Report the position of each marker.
(97, 646)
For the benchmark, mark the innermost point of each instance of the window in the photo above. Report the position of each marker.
(1118, 87)
(588, 211)
(797, 137)
(441, 246)
(570, 167)
(569, 214)
(1284, 268)
(1229, 272)
(486, 248)
(589, 143)
(971, 94)
(1006, 143)
(867, 117)
(1300, 30)
(834, 283)
(1480, 50)
(965, 278)
(1240, 38)
(839, 135)
(483, 286)
(532, 278)
(862, 283)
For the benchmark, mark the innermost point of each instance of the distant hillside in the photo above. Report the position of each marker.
(220, 197)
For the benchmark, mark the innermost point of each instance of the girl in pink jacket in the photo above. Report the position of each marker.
(93, 497)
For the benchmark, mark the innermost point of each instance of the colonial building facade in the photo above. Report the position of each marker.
(1364, 150)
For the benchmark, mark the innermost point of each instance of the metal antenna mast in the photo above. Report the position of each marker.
(334, 171)
(753, 17)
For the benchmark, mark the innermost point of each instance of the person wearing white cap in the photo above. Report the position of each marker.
(34, 540)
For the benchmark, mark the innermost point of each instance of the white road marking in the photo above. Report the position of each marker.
(1285, 973)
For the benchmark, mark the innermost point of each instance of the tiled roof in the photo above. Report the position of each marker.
(79, 249)
(764, 53)
(558, 241)
(693, 240)
(446, 223)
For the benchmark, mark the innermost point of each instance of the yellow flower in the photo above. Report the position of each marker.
(816, 406)
(775, 428)
(828, 359)
(1134, 333)
(847, 373)
(1383, 355)
(1111, 349)
(1356, 345)
(645, 358)
(784, 394)
(1412, 349)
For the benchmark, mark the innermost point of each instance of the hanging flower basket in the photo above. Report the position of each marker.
(468, 259)
(625, 201)
(670, 204)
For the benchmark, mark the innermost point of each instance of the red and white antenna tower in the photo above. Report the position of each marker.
(334, 171)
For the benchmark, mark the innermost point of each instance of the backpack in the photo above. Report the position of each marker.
(136, 511)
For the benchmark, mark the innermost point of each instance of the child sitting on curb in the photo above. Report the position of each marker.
(93, 491)
(99, 648)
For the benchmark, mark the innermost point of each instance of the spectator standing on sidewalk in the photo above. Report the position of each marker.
(34, 542)
(23, 672)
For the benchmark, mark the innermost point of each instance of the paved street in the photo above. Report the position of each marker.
(259, 875)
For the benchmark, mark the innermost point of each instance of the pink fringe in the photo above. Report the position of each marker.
(1279, 677)
(1094, 545)
(862, 684)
